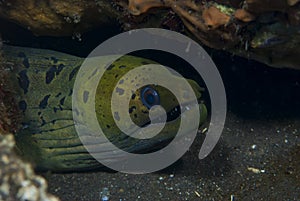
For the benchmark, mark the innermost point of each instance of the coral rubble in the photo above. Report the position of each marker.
(17, 179)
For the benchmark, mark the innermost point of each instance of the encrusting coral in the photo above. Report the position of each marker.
(236, 25)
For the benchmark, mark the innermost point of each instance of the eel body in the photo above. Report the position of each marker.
(43, 82)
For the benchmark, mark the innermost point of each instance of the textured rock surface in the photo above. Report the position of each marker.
(56, 17)
(264, 30)
(17, 179)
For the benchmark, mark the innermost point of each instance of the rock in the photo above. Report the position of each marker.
(243, 27)
(58, 18)
(292, 2)
(263, 30)
(17, 179)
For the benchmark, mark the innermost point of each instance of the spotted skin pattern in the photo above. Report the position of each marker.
(44, 80)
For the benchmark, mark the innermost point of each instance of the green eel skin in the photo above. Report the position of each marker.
(44, 81)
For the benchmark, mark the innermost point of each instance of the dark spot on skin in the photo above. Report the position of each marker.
(55, 60)
(23, 105)
(110, 67)
(116, 116)
(121, 81)
(120, 91)
(57, 95)
(23, 80)
(131, 109)
(116, 75)
(53, 121)
(26, 63)
(50, 74)
(135, 115)
(73, 73)
(133, 96)
(85, 96)
(107, 126)
(43, 104)
(39, 113)
(59, 68)
(43, 121)
(122, 66)
(62, 101)
(55, 109)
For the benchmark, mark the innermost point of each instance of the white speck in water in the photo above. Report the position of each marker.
(76, 18)
(68, 19)
(77, 36)
(253, 146)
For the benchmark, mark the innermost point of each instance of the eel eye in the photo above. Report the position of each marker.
(150, 97)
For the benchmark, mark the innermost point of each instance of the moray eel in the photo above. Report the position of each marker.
(43, 81)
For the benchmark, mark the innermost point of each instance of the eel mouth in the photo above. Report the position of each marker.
(173, 114)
